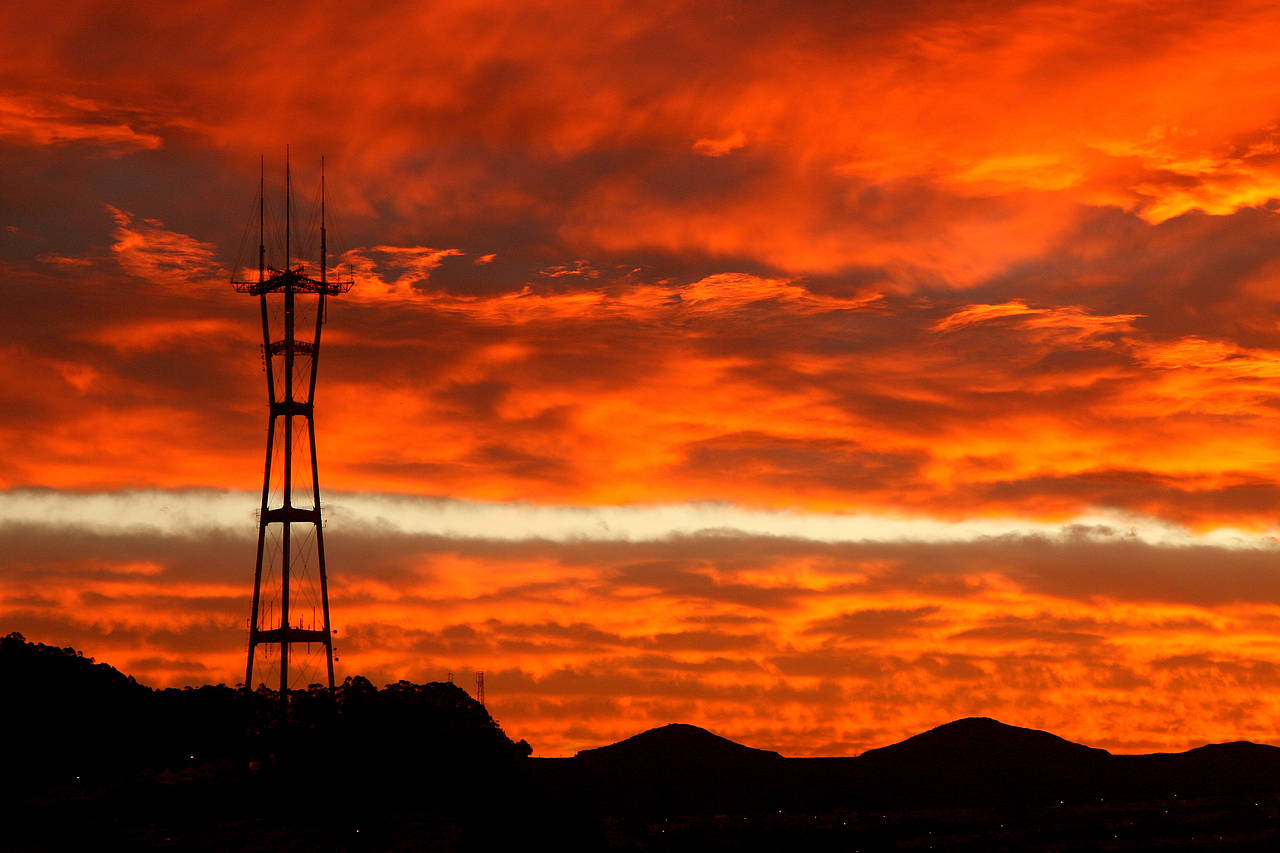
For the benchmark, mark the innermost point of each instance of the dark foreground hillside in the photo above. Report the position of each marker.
(94, 760)
(85, 720)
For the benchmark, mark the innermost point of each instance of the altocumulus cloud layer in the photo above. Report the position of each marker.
(813, 375)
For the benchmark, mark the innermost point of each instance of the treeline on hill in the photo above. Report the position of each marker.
(67, 719)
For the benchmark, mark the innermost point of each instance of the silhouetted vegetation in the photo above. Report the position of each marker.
(71, 717)
(65, 716)
(81, 732)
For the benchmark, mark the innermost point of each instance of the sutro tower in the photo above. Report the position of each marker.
(290, 563)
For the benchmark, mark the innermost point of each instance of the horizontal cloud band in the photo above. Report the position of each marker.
(192, 511)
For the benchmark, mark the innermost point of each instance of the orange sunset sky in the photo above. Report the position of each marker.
(814, 374)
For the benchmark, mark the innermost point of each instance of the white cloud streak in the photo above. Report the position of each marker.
(197, 511)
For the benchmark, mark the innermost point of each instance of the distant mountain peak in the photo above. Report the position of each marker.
(676, 743)
(1232, 747)
(976, 723)
(982, 736)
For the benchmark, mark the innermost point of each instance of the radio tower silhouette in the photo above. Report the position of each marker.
(290, 524)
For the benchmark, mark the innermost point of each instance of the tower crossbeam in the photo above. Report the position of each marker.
(291, 279)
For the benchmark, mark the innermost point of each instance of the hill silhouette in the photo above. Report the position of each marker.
(66, 715)
(676, 744)
(982, 739)
(94, 756)
(676, 767)
(977, 760)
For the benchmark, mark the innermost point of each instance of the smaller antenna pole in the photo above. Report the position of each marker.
(288, 206)
(480, 686)
(324, 249)
(262, 219)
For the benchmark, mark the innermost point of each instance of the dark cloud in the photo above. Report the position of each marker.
(873, 624)
(798, 462)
